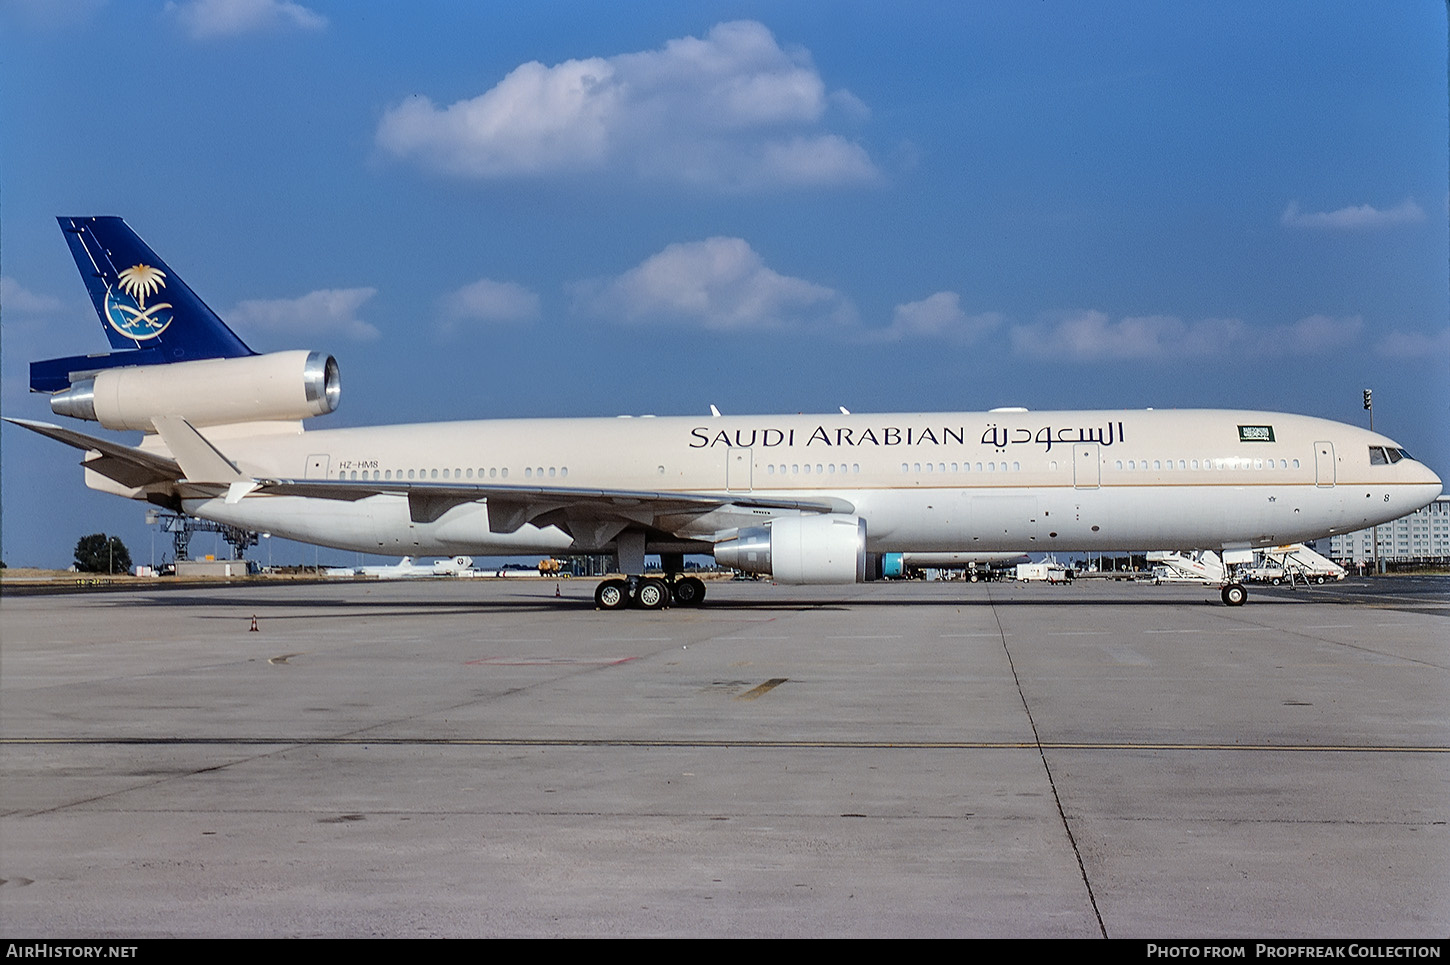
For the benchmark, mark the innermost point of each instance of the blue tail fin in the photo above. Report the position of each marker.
(148, 313)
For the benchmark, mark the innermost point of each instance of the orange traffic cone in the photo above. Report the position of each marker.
(254, 624)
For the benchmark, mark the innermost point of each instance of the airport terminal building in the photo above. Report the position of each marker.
(1421, 537)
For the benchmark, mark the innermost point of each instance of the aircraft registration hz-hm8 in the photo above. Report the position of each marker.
(800, 498)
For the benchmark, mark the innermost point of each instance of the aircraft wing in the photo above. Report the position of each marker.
(511, 506)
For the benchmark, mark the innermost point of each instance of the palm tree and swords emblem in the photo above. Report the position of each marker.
(138, 321)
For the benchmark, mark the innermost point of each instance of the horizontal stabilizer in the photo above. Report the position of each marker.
(140, 466)
(56, 375)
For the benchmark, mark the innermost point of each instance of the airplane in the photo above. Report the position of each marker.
(407, 569)
(800, 498)
(904, 565)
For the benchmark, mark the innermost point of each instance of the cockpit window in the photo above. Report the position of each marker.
(1387, 455)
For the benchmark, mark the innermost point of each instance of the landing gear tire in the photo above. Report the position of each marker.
(611, 595)
(1234, 594)
(652, 594)
(689, 591)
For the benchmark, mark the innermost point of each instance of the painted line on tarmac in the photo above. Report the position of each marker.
(707, 743)
(547, 661)
(762, 689)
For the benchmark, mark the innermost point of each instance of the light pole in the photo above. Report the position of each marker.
(1369, 407)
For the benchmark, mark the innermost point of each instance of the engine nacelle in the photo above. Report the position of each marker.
(281, 386)
(800, 549)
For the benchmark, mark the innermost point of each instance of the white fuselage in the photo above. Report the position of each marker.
(988, 482)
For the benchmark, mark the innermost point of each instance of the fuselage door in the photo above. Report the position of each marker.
(316, 466)
(1086, 466)
(737, 470)
(1324, 464)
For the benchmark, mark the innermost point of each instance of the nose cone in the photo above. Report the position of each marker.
(1415, 484)
(1423, 488)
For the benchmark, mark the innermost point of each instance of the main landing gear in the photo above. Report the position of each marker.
(1234, 594)
(648, 592)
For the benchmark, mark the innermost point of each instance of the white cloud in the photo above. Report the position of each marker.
(1090, 336)
(719, 284)
(329, 311)
(730, 110)
(1093, 336)
(936, 316)
(1352, 218)
(1313, 335)
(487, 300)
(1416, 345)
(15, 298)
(205, 19)
(39, 326)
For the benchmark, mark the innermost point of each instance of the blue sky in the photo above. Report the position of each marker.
(589, 209)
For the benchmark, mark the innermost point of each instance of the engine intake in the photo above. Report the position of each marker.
(281, 386)
(800, 549)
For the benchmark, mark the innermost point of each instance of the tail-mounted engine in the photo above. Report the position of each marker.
(800, 549)
(281, 386)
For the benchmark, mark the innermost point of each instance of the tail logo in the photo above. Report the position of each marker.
(126, 308)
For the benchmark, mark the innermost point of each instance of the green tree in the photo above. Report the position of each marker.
(99, 553)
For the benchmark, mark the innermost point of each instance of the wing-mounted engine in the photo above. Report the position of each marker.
(281, 386)
(800, 549)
